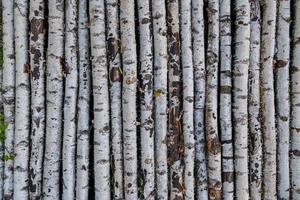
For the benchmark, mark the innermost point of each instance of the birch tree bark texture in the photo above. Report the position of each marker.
(240, 97)
(22, 109)
(101, 100)
(54, 100)
(8, 92)
(129, 61)
(37, 65)
(146, 99)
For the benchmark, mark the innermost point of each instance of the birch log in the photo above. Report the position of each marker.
(101, 100)
(255, 135)
(22, 109)
(129, 60)
(37, 65)
(199, 77)
(8, 92)
(240, 97)
(295, 100)
(282, 98)
(188, 98)
(160, 93)
(146, 102)
(115, 77)
(70, 99)
(175, 137)
(54, 95)
(267, 98)
(83, 108)
(225, 100)
(211, 109)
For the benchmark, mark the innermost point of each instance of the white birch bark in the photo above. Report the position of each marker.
(129, 59)
(295, 108)
(1, 107)
(70, 99)
(101, 100)
(8, 92)
(175, 136)
(146, 99)
(188, 98)
(211, 109)
(225, 100)
(255, 135)
(83, 105)
(22, 109)
(240, 97)
(37, 65)
(115, 77)
(282, 79)
(54, 95)
(160, 93)
(267, 98)
(199, 107)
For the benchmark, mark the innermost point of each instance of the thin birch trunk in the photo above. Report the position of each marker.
(8, 92)
(267, 98)
(22, 109)
(37, 63)
(175, 137)
(225, 100)
(160, 93)
(101, 100)
(295, 101)
(188, 98)
(240, 97)
(199, 78)
(83, 106)
(211, 109)
(129, 58)
(54, 95)
(70, 99)
(115, 77)
(146, 102)
(1, 107)
(282, 79)
(255, 135)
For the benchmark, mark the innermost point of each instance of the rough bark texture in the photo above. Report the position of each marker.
(22, 109)
(37, 65)
(146, 101)
(54, 97)
(129, 58)
(255, 135)
(240, 97)
(267, 98)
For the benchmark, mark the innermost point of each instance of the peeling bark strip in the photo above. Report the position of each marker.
(160, 94)
(295, 102)
(211, 109)
(115, 77)
(240, 97)
(83, 106)
(146, 102)
(54, 95)
(282, 79)
(199, 77)
(188, 98)
(129, 58)
(22, 109)
(175, 137)
(267, 98)
(8, 92)
(255, 135)
(101, 100)
(225, 100)
(37, 63)
(70, 99)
